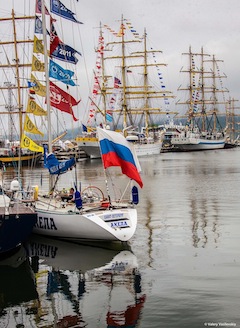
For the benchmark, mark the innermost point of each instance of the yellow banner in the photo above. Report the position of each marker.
(28, 143)
(30, 127)
(39, 89)
(38, 46)
(34, 108)
(37, 65)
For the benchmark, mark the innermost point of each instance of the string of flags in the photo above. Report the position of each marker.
(96, 85)
(195, 94)
(160, 77)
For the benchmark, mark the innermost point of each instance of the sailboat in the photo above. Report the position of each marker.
(127, 97)
(203, 130)
(90, 216)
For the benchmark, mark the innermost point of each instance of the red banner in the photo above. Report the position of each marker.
(62, 100)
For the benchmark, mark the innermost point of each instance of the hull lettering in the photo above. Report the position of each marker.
(45, 223)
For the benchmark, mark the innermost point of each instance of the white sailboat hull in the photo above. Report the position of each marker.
(148, 149)
(71, 224)
(90, 146)
(190, 144)
(91, 149)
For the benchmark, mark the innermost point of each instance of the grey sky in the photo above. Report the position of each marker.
(172, 26)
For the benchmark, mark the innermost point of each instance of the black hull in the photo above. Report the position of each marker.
(15, 227)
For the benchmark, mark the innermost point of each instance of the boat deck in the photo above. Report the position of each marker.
(16, 209)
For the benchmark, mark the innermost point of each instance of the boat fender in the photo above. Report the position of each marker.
(78, 200)
(15, 185)
(135, 198)
(35, 193)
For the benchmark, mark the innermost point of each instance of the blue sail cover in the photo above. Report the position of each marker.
(56, 167)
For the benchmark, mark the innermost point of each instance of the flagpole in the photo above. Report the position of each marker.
(105, 175)
(44, 30)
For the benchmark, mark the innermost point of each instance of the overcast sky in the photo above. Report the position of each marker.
(172, 26)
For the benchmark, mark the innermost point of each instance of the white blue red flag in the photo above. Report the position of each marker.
(117, 151)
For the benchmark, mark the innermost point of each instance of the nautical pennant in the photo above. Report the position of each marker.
(38, 46)
(65, 53)
(28, 143)
(34, 108)
(37, 65)
(61, 74)
(59, 9)
(96, 86)
(30, 127)
(39, 89)
(62, 100)
(54, 39)
(38, 26)
(31, 84)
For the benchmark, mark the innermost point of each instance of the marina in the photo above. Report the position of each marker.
(118, 207)
(186, 248)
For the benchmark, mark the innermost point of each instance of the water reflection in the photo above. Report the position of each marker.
(18, 291)
(73, 284)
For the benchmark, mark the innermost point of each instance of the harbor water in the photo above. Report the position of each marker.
(180, 270)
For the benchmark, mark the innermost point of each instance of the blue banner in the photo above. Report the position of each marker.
(109, 117)
(65, 53)
(60, 74)
(59, 9)
(56, 167)
(31, 84)
(38, 26)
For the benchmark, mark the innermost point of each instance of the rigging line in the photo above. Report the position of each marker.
(7, 75)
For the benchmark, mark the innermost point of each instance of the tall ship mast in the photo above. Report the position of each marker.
(14, 66)
(204, 130)
(135, 104)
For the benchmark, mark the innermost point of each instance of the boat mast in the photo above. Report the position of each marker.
(145, 74)
(214, 90)
(46, 77)
(126, 113)
(230, 118)
(50, 148)
(101, 49)
(203, 104)
(9, 86)
(124, 103)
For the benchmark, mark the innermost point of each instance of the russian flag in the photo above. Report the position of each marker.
(117, 151)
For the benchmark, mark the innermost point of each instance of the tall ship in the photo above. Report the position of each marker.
(204, 130)
(14, 65)
(133, 96)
